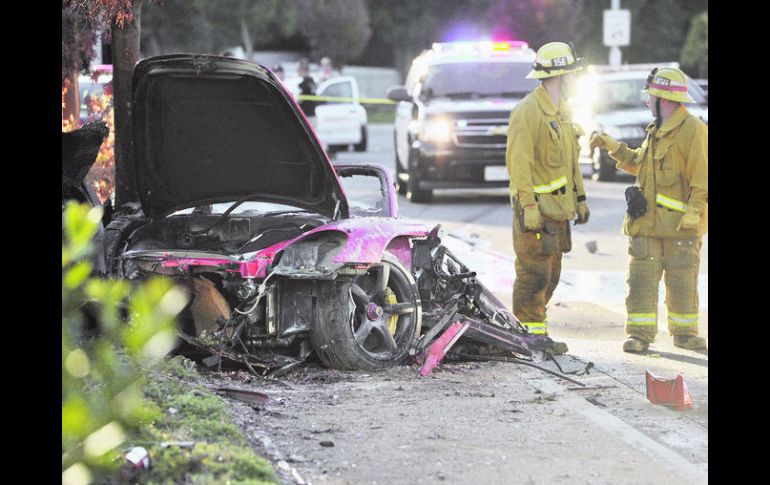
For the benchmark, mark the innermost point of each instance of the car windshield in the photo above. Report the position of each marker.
(628, 93)
(478, 79)
(245, 207)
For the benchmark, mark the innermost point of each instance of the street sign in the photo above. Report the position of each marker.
(617, 28)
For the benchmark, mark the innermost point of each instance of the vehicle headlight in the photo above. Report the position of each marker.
(312, 255)
(436, 131)
(625, 132)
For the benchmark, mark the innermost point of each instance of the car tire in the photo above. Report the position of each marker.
(363, 327)
(604, 168)
(361, 147)
(400, 172)
(413, 191)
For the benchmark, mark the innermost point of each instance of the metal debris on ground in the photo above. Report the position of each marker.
(468, 311)
(251, 397)
(180, 444)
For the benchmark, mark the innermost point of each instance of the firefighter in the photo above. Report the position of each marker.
(667, 214)
(546, 186)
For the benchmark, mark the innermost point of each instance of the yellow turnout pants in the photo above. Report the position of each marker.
(538, 268)
(677, 260)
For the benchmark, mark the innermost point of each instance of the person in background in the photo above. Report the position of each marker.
(278, 71)
(307, 87)
(327, 70)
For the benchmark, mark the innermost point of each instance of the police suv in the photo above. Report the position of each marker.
(452, 115)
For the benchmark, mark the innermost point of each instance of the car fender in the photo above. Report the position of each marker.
(366, 239)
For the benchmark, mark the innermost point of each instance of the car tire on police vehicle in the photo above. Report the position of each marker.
(413, 191)
(361, 147)
(603, 167)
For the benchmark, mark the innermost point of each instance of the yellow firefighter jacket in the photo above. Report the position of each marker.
(542, 156)
(672, 171)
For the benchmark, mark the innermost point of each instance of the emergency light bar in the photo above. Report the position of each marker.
(479, 47)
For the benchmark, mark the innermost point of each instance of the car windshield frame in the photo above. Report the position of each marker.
(477, 79)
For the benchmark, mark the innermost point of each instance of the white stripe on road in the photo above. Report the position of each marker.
(627, 433)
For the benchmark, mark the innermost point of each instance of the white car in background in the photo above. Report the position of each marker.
(337, 123)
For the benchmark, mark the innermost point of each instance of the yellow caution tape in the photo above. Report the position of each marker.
(309, 97)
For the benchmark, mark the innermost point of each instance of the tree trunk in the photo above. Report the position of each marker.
(125, 55)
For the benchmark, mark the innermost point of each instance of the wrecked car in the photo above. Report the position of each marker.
(284, 253)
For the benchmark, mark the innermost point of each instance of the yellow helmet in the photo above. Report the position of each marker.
(554, 59)
(668, 83)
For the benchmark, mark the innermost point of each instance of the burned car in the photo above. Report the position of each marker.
(285, 254)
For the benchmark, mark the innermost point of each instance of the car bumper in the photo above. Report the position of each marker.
(459, 167)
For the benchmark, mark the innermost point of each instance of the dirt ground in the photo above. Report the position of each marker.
(487, 422)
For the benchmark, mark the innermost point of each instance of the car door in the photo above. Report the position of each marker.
(404, 115)
(338, 121)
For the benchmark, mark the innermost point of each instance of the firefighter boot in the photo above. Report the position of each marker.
(689, 342)
(635, 344)
(559, 348)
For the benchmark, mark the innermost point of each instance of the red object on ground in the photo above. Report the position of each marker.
(438, 349)
(671, 392)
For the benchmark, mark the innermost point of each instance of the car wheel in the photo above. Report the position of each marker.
(371, 321)
(400, 172)
(604, 168)
(361, 147)
(413, 191)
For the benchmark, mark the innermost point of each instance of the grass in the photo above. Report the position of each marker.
(380, 114)
(221, 453)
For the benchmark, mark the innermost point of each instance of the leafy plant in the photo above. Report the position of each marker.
(103, 375)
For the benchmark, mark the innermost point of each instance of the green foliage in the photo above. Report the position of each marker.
(208, 463)
(103, 376)
(695, 52)
(190, 412)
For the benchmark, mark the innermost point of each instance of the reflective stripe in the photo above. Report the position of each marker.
(642, 319)
(535, 328)
(683, 316)
(554, 185)
(670, 203)
(683, 320)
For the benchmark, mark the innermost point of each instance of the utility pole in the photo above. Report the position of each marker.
(617, 31)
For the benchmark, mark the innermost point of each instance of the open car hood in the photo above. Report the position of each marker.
(214, 129)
